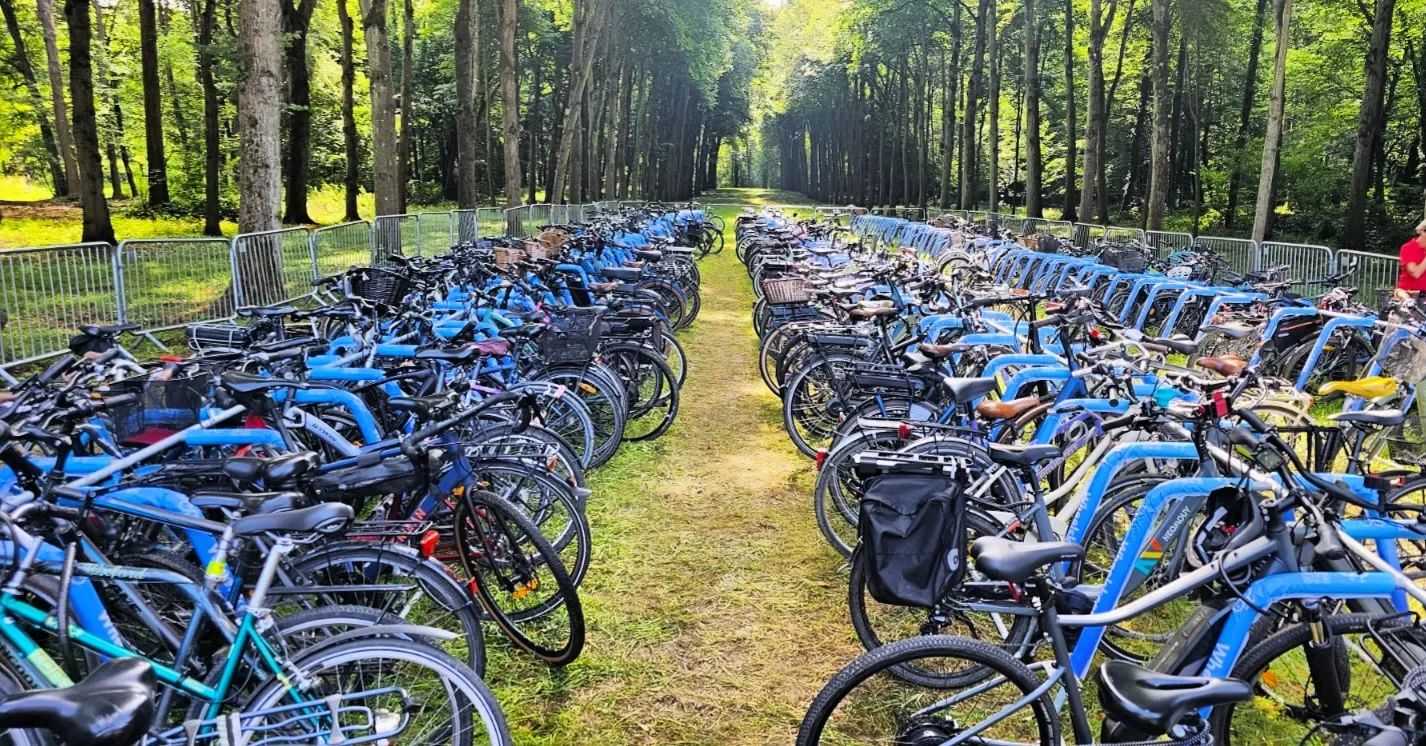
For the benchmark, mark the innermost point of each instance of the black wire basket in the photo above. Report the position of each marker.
(380, 285)
(161, 408)
(572, 337)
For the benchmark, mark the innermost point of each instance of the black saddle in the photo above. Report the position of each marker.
(1153, 702)
(1177, 343)
(463, 354)
(107, 331)
(269, 472)
(250, 383)
(326, 518)
(1375, 418)
(1016, 561)
(626, 274)
(649, 256)
(967, 390)
(266, 312)
(113, 706)
(1232, 331)
(526, 330)
(425, 407)
(1023, 455)
(249, 503)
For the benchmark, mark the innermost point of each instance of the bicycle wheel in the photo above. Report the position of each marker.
(879, 624)
(603, 395)
(1289, 702)
(519, 578)
(673, 355)
(651, 389)
(395, 579)
(548, 503)
(865, 703)
(566, 415)
(812, 406)
(837, 494)
(409, 692)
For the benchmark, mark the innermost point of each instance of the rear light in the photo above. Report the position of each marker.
(170, 358)
(903, 431)
(1220, 404)
(1095, 336)
(429, 540)
(821, 458)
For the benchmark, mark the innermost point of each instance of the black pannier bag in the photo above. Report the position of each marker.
(912, 528)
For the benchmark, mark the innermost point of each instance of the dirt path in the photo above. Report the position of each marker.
(716, 610)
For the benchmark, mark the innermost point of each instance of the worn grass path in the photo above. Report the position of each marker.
(715, 609)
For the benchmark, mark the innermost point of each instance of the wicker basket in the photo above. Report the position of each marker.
(506, 257)
(538, 251)
(781, 291)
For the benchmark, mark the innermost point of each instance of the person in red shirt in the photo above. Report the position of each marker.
(1412, 278)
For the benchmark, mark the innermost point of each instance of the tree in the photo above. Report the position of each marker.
(994, 123)
(1159, 156)
(153, 105)
(1100, 22)
(296, 19)
(20, 60)
(1245, 115)
(969, 171)
(351, 148)
(403, 160)
(1071, 126)
(212, 141)
(1034, 166)
(589, 25)
(1369, 124)
(467, 142)
(1272, 141)
(259, 112)
(510, 100)
(57, 105)
(385, 156)
(97, 225)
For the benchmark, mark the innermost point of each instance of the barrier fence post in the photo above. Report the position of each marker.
(1373, 275)
(1307, 261)
(272, 267)
(337, 248)
(168, 282)
(46, 293)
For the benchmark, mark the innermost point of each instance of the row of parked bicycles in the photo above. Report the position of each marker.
(1084, 502)
(301, 532)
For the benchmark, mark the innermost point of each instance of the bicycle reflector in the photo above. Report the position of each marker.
(428, 543)
(1220, 403)
(821, 458)
(903, 431)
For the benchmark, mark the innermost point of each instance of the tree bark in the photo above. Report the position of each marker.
(20, 59)
(1369, 122)
(1034, 164)
(110, 90)
(1099, 24)
(1159, 157)
(153, 104)
(467, 143)
(296, 20)
(1071, 125)
(510, 100)
(969, 198)
(408, 63)
(212, 143)
(948, 109)
(386, 171)
(259, 114)
(62, 132)
(1245, 115)
(1272, 140)
(351, 181)
(994, 123)
(97, 225)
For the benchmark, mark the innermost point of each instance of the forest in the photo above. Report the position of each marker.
(1295, 119)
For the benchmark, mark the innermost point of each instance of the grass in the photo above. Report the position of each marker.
(715, 609)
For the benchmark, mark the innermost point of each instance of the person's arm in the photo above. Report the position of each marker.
(1415, 269)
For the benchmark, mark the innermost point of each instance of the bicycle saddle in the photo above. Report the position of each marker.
(1022, 455)
(269, 471)
(604, 287)
(1371, 387)
(1227, 365)
(1153, 702)
(1016, 561)
(425, 407)
(1376, 417)
(249, 503)
(251, 383)
(463, 354)
(940, 351)
(649, 256)
(622, 273)
(527, 330)
(1231, 330)
(113, 706)
(267, 312)
(967, 390)
(1006, 410)
(872, 312)
(106, 331)
(326, 518)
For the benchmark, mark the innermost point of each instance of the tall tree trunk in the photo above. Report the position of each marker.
(1099, 24)
(1369, 122)
(20, 59)
(296, 20)
(1245, 115)
(994, 123)
(62, 132)
(153, 104)
(1272, 140)
(969, 169)
(385, 157)
(110, 91)
(948, 109)
(1071, 123)
(1142, 113)
(259, 115)
(351, 181)
(510, 100)
(1159, 157)
(408, 101)
(1034, 164)
(97, 226)
(589, 24)
(467, 144)
(212, 144)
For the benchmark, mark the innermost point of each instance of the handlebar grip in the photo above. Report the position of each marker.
(1255, 422)
(1118, 422)
(106, 356)
(55, 370)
